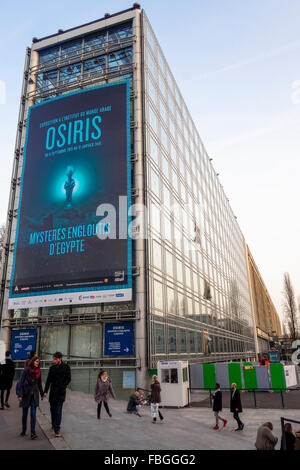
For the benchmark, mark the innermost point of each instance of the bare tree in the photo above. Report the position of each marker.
(290, 307)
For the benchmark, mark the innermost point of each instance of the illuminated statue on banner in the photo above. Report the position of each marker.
(69, 186)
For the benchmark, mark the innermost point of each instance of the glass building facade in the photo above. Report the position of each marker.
(191, 292)
(199, 292)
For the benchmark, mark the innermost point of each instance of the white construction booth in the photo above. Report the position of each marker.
(174, 382)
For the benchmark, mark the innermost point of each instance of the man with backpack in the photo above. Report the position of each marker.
(58, 379)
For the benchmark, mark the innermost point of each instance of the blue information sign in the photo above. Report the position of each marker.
(22, 343)
(118, 339)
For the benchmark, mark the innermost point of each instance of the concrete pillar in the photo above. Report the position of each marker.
(140, 280)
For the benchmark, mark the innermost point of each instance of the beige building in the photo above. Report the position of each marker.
(268, 325)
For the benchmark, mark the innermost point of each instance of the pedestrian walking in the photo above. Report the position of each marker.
(102, 391)
(59, 377)
(297, 441)
(134, 404)
(290, 438)
(217, 406)
(236, 406)
(7, 374)
(32, 354)
(28, 394)
(155, 399)
(265, 439)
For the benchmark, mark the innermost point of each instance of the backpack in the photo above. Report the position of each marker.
(18, 386)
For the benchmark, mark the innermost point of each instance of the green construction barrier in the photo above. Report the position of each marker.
(152, 372)
(235, 376)
(277, 377)
(250, 379)
(209, 376)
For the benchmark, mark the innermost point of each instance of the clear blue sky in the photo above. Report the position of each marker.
(235, 63)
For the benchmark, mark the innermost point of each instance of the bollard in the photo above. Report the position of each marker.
(282, 398)
(283, 434)
(254, 398)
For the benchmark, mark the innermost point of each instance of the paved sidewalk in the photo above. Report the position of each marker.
(188, 428)
(10, 428)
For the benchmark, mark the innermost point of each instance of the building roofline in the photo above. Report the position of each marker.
(135, 7)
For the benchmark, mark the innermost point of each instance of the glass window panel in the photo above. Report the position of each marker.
(53, 338)
(192, 342)
(155, 217)
(177, 96)
(122, 57)
(70, 73)
(179, 270)
(180, 142)
(162, 86)
(153, 149)
(47, 79)
(172, 128)
(151, 39)
(172, 340)
(71, 48)
(95, 41)
(189, 305)
(170, 80)
(188, 280)
(171, 104)
(159, 339)
(156, 254)
(164, 138)
(94, 66)
(86, 341)
(178, 238)
(152, 91)
(199, 342)
(169, 263)
(182, 340)
(181, 306)
(151, 63)
(174, 376)
(173, 153)
(175, 180)
(171, 308)
(161, 62)
(49, 55)
(167, 197)
(163, 111)
(165, 167)
(155, 186)
(120, 32)
(157, 295)
(178, 117)
(167, 229)
(153, 119)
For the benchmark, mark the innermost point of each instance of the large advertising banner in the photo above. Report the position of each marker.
(72, 243)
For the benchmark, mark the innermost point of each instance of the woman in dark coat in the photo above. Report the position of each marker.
(290, 437)
(7, 373)
(236, 406)
(155, 399)
(102, 392)
(217, 406)
(28, 396)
